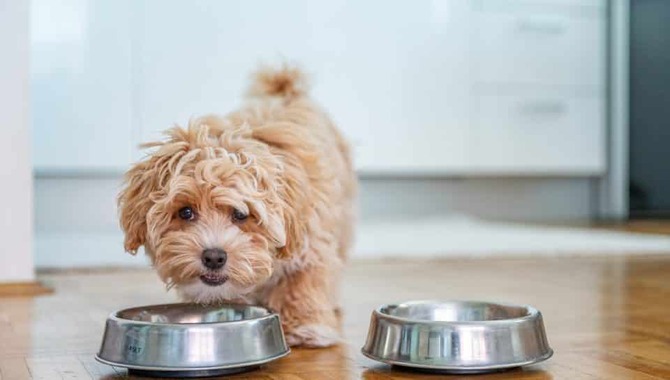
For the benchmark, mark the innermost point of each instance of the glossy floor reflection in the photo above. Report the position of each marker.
(605, 317)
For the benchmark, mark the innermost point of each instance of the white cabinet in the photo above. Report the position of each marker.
(441, 87)
(81, 85)
(395, 76)
(539, 98)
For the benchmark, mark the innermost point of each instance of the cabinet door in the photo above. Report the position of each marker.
(539, 132)
(540, 48)
(81, 85)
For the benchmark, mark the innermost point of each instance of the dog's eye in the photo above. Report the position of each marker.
(239, 216)
(186, 213)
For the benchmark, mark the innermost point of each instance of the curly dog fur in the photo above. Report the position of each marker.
(267, 190)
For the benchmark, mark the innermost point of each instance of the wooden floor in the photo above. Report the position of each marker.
(607, 318)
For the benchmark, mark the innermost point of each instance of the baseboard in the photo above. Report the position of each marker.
(461, 237)
(456, 237)
(23, 289)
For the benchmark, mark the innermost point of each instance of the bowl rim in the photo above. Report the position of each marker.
(532, 313)
(113, 316)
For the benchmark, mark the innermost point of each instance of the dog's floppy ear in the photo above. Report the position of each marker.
(291, 212)
(134, 203)
(294, 231)
(274, 230)
(282, 226)
(281, 210)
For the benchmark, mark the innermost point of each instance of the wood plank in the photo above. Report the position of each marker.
(57, 367)
(23, 289)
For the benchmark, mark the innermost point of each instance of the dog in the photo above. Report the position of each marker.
(254, 207)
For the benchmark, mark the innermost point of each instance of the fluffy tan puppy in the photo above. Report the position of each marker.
(254, 207)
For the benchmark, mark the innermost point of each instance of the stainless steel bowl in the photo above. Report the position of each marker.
(188, 340)
(457, 336)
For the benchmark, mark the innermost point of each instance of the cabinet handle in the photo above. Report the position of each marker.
(548, 28)
(549, 107)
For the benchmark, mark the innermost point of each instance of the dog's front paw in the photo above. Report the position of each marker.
(313, 335)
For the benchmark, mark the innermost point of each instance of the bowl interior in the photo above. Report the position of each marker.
(455, 311)
(192, 313)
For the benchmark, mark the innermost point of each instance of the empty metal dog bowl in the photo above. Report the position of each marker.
(457, 337)
(188, 340)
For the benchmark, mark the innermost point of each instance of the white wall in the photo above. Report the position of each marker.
(16, 261)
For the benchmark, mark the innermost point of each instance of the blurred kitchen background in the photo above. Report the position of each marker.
(480, 127)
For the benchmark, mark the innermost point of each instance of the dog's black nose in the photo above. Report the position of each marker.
(214, 258)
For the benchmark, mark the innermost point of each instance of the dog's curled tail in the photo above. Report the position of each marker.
(287, 82)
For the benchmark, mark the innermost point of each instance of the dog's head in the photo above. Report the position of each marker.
(211, 209)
